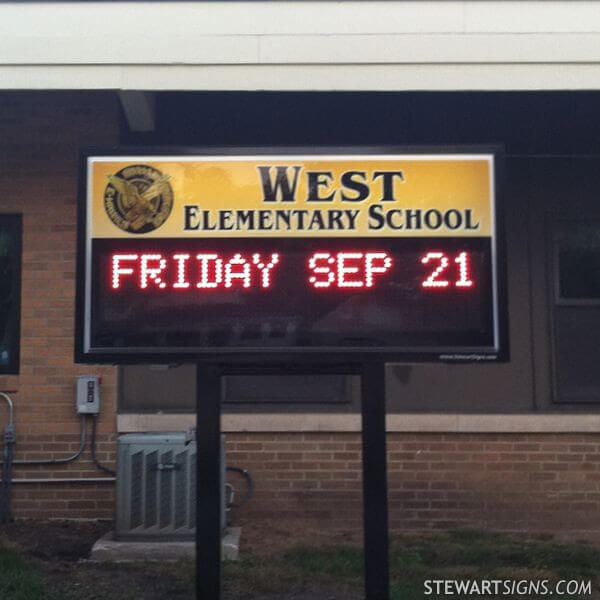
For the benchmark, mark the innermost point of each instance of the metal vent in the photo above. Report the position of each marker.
(156, 486)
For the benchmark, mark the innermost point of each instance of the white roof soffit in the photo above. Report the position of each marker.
(301, 45)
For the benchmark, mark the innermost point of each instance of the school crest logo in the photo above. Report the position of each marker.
(138, 198)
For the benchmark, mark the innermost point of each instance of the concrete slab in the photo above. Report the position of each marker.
(108, 549)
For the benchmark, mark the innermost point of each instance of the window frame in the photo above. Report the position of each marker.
(556, 301)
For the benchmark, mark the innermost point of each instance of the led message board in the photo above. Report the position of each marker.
(335, 255)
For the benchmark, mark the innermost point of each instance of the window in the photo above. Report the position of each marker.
(576, 311)
(172, 388)
(10, 292)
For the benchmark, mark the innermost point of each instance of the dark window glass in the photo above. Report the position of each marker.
(284, 389)
(577, 349)
(168, 388)
(172, 388)
(578, 248)
(10, 292)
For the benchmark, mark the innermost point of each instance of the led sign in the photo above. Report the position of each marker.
(386, 255)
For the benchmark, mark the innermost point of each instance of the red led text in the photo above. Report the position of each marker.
(440, 262)
(347, 269)
(184, 271)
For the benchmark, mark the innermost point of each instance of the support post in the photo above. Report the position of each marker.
(208, 482)
(375, 504)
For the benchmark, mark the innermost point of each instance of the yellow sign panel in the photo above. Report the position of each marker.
(291, 196)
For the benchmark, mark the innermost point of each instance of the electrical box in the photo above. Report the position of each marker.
(88, 395)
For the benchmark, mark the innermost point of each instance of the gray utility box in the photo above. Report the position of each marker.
(88, 395)
(156, 486)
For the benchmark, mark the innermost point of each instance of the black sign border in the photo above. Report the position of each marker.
(274, 356)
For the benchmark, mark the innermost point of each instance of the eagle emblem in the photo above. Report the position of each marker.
(138, 198)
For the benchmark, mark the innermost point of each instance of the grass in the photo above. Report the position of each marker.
(477, 555)
(464, 554)
(17, 580)
(322, 573)
(338, 568)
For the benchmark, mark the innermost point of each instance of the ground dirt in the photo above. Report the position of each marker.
(59, 551)
(50, 561)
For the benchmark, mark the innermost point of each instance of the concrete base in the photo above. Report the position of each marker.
(107, 549)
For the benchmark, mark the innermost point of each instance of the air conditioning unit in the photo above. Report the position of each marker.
(156, 486)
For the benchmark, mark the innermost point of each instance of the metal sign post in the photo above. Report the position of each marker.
(208, 482)
(375, 507)
(375, 502)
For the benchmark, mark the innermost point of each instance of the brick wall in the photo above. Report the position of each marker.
(40, 137)
(536, 483)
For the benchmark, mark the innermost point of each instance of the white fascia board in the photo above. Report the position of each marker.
(293, 17)
(298, 17)
(117, 50)
(298, 45)
(533, 16)
(431, 49)
(302, 49)
(304, 77)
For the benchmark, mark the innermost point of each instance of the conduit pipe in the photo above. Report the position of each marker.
(67, 480)
(93, 450)
(10, 406)
(60, 461)
(7, 464)
(5, 483)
